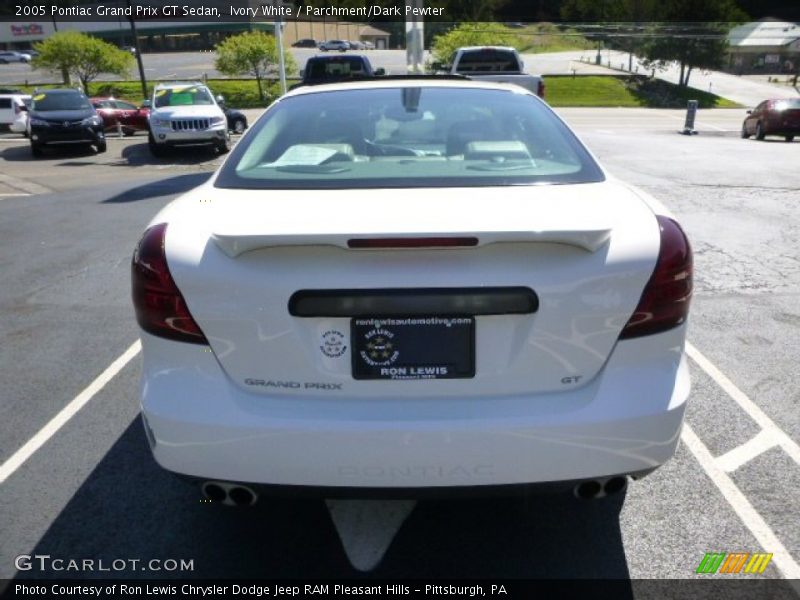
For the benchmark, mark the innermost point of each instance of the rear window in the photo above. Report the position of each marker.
(334, 67)
(407, 137)
(47, 101)
(490, 60)
(790, 103)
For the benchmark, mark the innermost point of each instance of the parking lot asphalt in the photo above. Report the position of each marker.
(88, 488)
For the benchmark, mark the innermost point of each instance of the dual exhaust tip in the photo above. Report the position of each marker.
(600, 488)
(230, 494)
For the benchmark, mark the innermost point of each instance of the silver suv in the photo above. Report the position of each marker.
(185, 114)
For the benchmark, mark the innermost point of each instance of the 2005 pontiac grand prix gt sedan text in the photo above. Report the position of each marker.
(408, 284)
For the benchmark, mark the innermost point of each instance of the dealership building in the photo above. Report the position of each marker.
(765, 46)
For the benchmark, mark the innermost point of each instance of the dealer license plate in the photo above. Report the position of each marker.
(399, 348)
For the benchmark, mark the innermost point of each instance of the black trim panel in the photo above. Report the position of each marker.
(410, 302)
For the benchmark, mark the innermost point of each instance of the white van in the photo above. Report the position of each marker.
(13, 112)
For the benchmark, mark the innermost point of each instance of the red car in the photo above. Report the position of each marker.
(129, 116)
(773, 117)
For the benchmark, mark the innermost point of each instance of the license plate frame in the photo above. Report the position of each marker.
(412, 348)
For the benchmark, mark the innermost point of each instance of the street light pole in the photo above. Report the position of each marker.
(415, 39)
(138, 51)
(281, 61)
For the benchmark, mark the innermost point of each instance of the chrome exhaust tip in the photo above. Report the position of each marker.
(600, 488)
(229, 494)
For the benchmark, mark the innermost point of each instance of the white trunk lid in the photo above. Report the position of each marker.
(586, 252)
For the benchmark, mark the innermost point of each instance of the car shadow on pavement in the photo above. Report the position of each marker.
(130, 508)
(548, 536)
(136, 155)
(161, 187)
(22, 153)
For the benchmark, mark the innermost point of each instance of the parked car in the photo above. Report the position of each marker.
(113, 111)
(773, 117)
(306, 43)
(64, 117)
(14, 57)
(407, 284)
(237, 121)
(494, 63)
(13, 111)
(339, 45)
(326, 69)
(356, 45)
(186, 114)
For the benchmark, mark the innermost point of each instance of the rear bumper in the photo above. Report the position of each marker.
(627, 420)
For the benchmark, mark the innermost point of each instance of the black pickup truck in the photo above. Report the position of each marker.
(328, 69)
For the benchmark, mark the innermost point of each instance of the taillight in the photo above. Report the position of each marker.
(160, 307)
(665, 301)
(540, 89)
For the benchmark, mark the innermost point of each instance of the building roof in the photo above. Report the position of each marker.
(765, 32)
(374, 31)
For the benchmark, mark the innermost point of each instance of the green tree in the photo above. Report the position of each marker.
(693, 34)
(72, 53)
(472, 34)
(253, 53)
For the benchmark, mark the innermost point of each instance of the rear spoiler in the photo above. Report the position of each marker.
(234, 244)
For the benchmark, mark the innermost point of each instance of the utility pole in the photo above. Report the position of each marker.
(138, 51)
(415, 39)
(281, 61)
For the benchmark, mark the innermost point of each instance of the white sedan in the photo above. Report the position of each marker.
(405, 284)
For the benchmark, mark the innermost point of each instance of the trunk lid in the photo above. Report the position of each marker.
(585, 251)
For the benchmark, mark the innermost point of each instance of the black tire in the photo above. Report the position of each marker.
(37, 151)
(745, 135)
(224, 146)
(760, 135)
(101, 147)
(239, 126)
(155, 149)
(128, 132)
(789, 138)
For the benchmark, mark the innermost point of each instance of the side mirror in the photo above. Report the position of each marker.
(749, 112)
(146, 104)
(23, 108)
(302, 72)
(220, 99)
(380, 72)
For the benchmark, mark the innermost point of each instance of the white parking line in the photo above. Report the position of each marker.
(751, 408)
(741, 455)
(45, 433)
(700, 122)
(741, 505)
(23, 185)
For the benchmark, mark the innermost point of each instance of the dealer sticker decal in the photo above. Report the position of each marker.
(333, 344)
